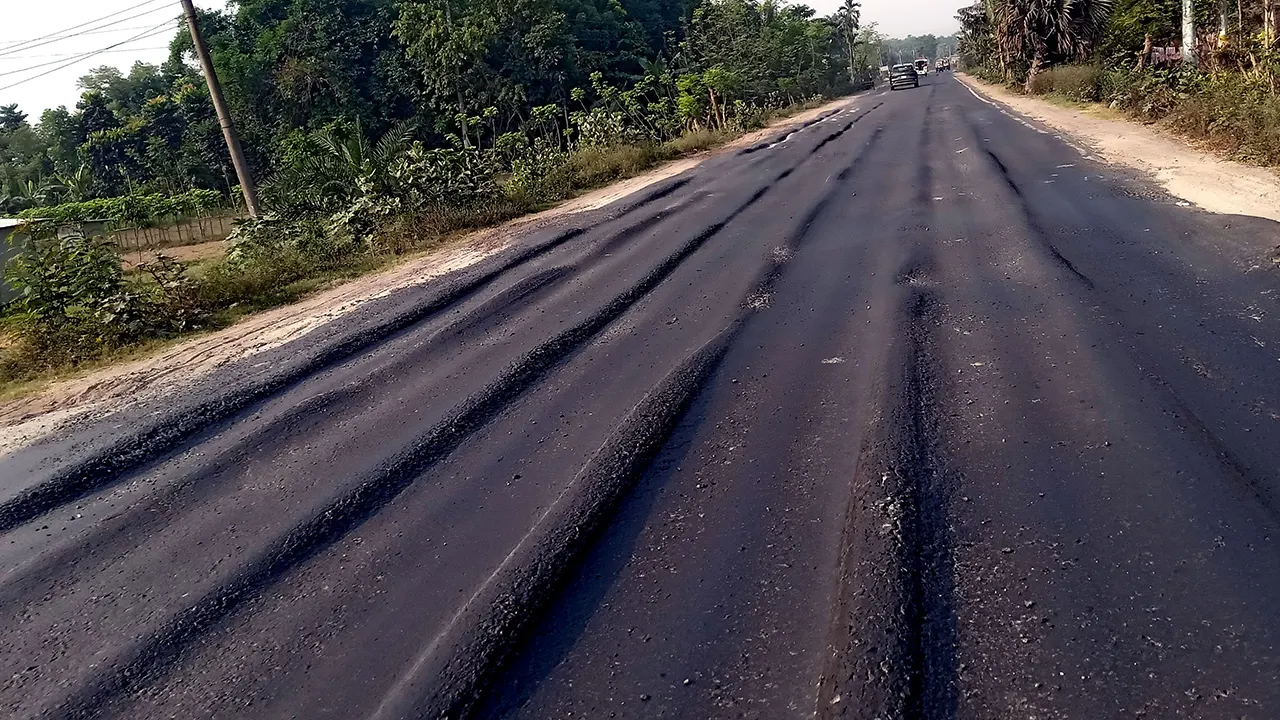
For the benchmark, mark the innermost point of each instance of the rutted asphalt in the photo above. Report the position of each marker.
(913, 412)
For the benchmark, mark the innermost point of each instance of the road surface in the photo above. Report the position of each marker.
(916, 412)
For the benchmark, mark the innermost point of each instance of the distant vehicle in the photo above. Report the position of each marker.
(904, 75)
(943, 64)
(922, 66)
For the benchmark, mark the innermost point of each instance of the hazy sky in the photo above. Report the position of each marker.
(900, 18)
(136, 32)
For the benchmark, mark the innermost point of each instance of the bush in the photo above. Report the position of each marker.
(131, 210)
(989, 73)
(1079, 82)
(75, 301)
(1075, 82)
(1041, 83)
(593, 166)
(255, 240)
(1149, 95)
(537, 176)
(694, 141)
(1236, 113)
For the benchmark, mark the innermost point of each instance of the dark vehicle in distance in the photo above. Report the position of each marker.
(901, 76)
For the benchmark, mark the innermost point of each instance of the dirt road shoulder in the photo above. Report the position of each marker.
(1207, 181)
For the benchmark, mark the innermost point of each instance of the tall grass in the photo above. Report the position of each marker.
(1234, 113)
(1074, 82)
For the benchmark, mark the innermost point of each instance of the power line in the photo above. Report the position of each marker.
(97, 26)
(32, 46)
(64, 31)
(80, 56)
(158, 29)
(106, 30)
(46, 56)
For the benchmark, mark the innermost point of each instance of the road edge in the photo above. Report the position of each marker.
(1207, 181)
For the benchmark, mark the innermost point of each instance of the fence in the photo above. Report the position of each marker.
(187, 231)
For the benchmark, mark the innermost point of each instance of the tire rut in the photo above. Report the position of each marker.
(106, 465)
(450, 677)
(154, 655)
(891, 653)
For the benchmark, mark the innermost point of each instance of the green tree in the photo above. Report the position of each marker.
(126, 94)
(62, 136)
(22, 162)
(847, 19)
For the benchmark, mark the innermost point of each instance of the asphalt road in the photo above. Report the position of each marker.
(917, 412)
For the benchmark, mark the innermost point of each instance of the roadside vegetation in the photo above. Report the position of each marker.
(377, 128)
(1126, 54)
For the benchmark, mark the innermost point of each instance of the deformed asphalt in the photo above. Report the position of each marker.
(916, 412)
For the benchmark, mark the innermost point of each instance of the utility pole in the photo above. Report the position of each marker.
(247, 187)
(1188, 32)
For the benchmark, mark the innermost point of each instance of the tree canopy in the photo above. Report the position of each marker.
(452, 71)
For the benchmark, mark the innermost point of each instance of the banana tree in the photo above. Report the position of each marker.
(75, 186)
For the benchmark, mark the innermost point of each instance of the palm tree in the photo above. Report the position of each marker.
(1030, 33)
(348, 158)
(339, 165)
(848, 18)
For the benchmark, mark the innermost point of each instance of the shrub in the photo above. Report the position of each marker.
(1041, 83)
(989, 73)
(75, 301)
(537, 177)
(694, 141)
(1078, 82)
(254, 239)
(1234, 112)
(131, 210)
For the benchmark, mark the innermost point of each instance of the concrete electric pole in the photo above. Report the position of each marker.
(247, 187)
(1188, 32)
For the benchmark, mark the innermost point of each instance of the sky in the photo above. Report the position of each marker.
(42, 41)
(900, 18)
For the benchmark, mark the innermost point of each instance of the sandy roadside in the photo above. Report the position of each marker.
(99, 392)
(1202, 179)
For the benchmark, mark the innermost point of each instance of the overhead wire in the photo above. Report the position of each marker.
(79, 56)
(47, 56)
(94, 27)
(65, 31)
(50, 55)
(166, 26)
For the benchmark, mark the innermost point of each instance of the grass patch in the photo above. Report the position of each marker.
(26, 367)
(695, 142)
(592, 167)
